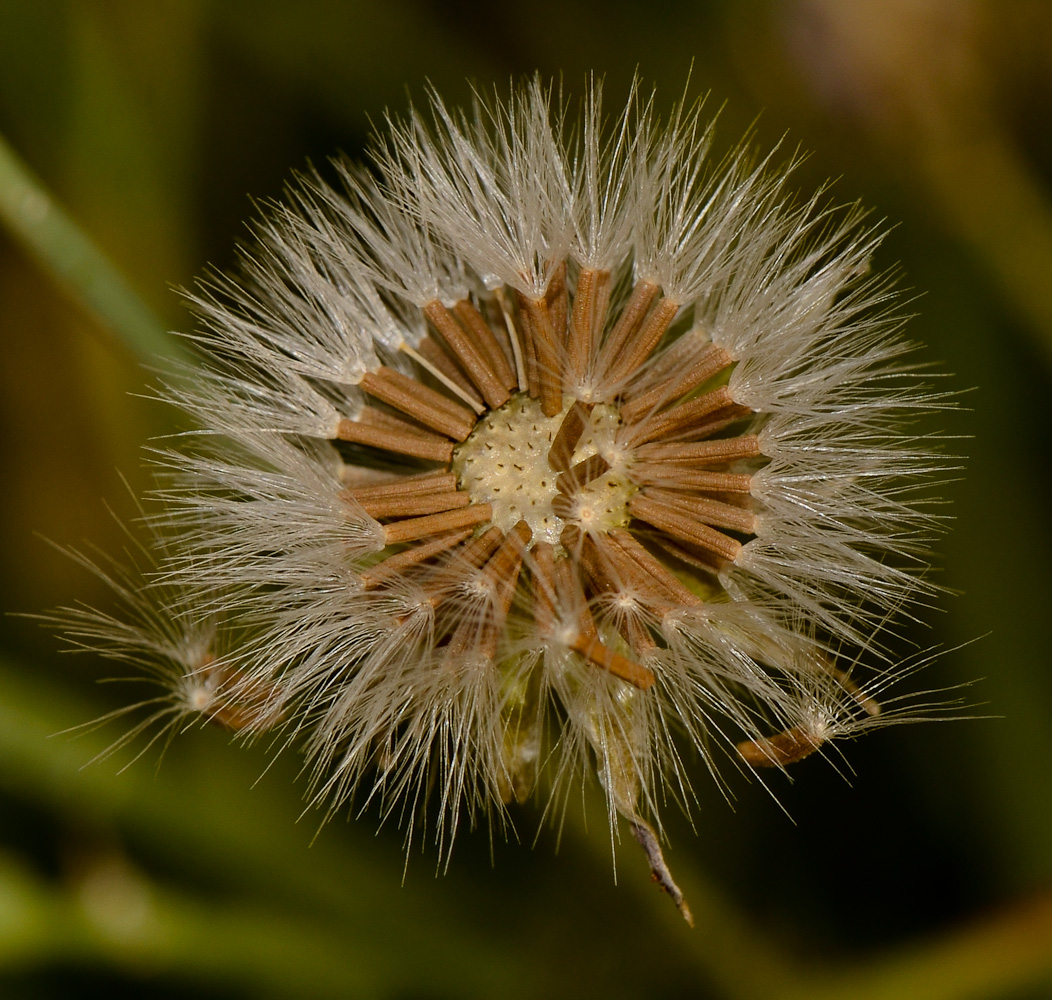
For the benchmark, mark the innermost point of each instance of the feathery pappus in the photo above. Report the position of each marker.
(539, 447)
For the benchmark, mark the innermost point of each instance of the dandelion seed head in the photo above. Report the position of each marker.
(543, 451)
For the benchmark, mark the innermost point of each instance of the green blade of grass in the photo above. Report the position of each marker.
(41, 226)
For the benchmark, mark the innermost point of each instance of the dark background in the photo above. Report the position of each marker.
(154, 124)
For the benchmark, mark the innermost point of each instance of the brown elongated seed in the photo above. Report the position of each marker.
(479, 330)
(636, 634)
(415, 505)
(702, 452)
(683, 555)
(564, 506)
(570, 590)
(786, 747)
(582, 474)
(572, 538)
(358, 476)
(631, 318)
(569, 586)
(639, 347)
(638, 557)
(478, 635)
(596, 569)
(680, 525)
(558, 300)
(586, 322)
(466, 396)
(394, 565)
(436, 355)
(502, 569)
(674, 477)
(602, 566)
(610, 571)
(674, 359)
(418, 401)
(376, 417)
(707, 510)
(497, 322)
(711, 361)
(649, 587)
(412, 505)
(546, 348)
(514, 338)
(556, 283)
(713, 425)
(867, 703)
(570, 430)
(429, 482)
(239, 718)
(587, 642)
(533, 384)
(404, 442)
(470, 357)
(442, 580)
(585, 549)
(432, 524)
(248, 708)
(678, 418)
(243, 703)
(542, 568)
(477, 551)
(503, 566)
(595, 652)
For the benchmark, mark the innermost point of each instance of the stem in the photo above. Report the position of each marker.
(998, 955)
(334, 903)
(33, 217)
(341, 891)
(112, 916)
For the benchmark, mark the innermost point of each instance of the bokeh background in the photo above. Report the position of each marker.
(921, 871)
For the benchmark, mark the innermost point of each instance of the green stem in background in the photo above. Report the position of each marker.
(233, 834)
(110, 915)
(32, 216)
(1000, 955)
(341, 903)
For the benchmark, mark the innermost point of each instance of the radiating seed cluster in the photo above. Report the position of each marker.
(534, 451)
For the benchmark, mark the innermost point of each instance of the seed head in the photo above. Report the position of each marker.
(537, 450)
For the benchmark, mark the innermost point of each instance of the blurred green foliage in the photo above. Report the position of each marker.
(927, 875)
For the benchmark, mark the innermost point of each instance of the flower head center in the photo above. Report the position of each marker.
(508, 462)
